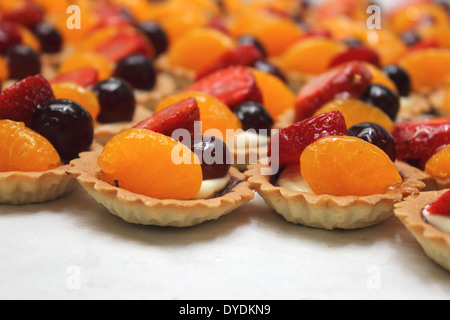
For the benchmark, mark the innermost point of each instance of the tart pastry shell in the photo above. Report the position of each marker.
(104, 132)
(143, 210)
(331, 212)
(20, 188)
(165, 86)
(183, 77)
(434, 242)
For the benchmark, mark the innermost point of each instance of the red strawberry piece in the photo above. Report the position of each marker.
(125, 44)
(18, 102)
(350, 79)
(418, 141)
(181, 115)
(293, 140)
(442, 206)
(9, 35)
(232, 86)
(241, 55)
(27, 15)
(357, 53)
(84, 77)
(219, 24)
(318, 34)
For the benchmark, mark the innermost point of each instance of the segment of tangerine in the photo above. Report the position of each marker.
(276, 35)
(356, 111)
(379, 77)
(277, 96)
(311, 56)
(429, 68)
(84, 97)
(348, 166)
(447, 100)
(22, 149)
(29, 39)
(151, 164)
(81, 60)
(199, 48)
(4, 70)
(439, 164)
(214, 114)
(388, 44)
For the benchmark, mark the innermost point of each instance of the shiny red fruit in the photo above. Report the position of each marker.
(442, 206)
(351, 78)
(357, 53)
(293, 140)
(84, 77)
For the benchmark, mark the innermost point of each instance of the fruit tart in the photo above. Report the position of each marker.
(144, 176)
(40, 135)
(323, 175)
(425, 145)
(427, 217)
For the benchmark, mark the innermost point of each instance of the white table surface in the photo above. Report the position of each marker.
(73, 248)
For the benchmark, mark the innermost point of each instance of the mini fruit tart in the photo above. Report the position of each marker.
(427, 217)
(425, 144)
(320, 176)
(176, 190)
(40, 136)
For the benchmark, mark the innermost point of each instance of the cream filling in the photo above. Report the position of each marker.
(291, 179)
(246, 140)
(439, 222)
(211, 187)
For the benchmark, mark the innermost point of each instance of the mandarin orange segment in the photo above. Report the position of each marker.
(151, 164)
(198, 49)
(276, 35)
(277, 96)
(379, 77)
(29, 39)
(356, 111)
(429, 68)
(348, 166)
(447, 100)
(81, 60)
(439, 165)
(4, 70)
(311, 56)
(216, 117)
(84, 97)
(179, 24)
(102, 35)
(388, 44)
(22, 149)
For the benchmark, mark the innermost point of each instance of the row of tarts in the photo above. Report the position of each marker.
(334, 125)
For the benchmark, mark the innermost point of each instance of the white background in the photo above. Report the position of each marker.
(74, 249)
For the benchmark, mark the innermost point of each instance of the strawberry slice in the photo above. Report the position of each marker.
(241, 55)
(351, 78)
(233, 86)
(84, 77)
(18, 102)
(9, 35)
(293, 140)
(124, 44)
(357, 53)
(418, 141)
(181, 115)
(27, 15)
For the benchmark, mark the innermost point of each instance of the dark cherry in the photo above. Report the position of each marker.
(156, 35)
(377, 135)
(254, 116)
(353, 42)
(22, 62)
(400, 77)
(444, 3)
(67, 125)
(411, 38)
(49, 38)
(383, 98)
(253, 41)
(138, 70)
(214, 156)
(270, 68)
(117, 101)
